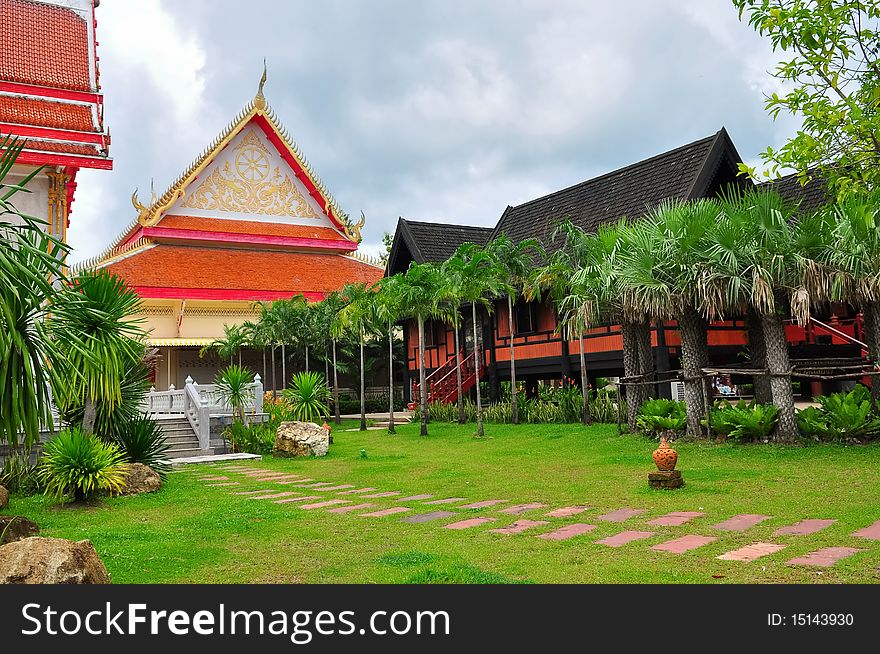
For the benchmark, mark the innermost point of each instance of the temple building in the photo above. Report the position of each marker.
(247, 222)
(50, 98)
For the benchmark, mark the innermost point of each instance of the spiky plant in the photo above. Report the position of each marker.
(307, 396)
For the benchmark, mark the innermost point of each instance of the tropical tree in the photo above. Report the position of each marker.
(418, 291)
(387, 309)
(359, 315)
(332, 306)
(97, 333)
(516, 261)
(481, 278)
(234, 338)
(450, 297)
(235, 388)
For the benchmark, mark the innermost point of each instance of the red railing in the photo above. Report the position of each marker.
(443, 383)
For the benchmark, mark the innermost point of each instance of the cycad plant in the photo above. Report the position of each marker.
(141, 440)
(307, 397)
(235, 388)
(79, 466)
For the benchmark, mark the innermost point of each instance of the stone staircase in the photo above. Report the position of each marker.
(181, 439)
(400, 418)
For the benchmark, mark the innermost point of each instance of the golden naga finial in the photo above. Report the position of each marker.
(354, 231)
(259, 98)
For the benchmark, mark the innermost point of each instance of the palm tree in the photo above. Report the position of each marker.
(257, 335)
(95, 325)
(516, 261)
(235, 388)
(387, 308)
(234, 338)
(481, 278)
(418, 291)
(268, 327)
(450, 299)
(359, 315)
(332, 305)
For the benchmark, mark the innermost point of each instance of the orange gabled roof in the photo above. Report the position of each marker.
(62, 147)
(254, 227)
(44, 45)
(161, 267)
(45, 113)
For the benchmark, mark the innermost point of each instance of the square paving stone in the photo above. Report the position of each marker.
(271, 496)
(385, 494)
(304, 498)
(384, 512)
(741, 522)
(621, 515)
(871, 532)
(825, 557)
(335, 488)
(356, 491)
(519, 509)
(624, 537)
(254, 492)
(519, 526)
(319, 484)
(447, 500)
(482, 505)
(286, 482)
(413, 498)
(684, 543)
(568, 531)
(567, 511)
(321, 505)
(751, 552)
(467, 524)
(427, 517)
(675, 518)
(353, 507)
(225, 483)
(804, 527)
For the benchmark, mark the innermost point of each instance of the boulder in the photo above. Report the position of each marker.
(141, 478)
(4, 497)
(38, 560)
(301, 439)
(14, 527)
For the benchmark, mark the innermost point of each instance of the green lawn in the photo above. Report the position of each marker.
(192, 533)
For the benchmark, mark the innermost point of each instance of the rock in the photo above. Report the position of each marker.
(301, 439)
(4, 497)
(14, 527)
(141, 479)
(40, 560)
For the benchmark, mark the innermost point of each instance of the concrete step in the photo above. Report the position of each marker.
(192, 451)
(176, 431)
(172, 442)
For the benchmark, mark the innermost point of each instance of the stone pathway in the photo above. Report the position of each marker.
(413, 498)
(751, 552)
(324, 504)
(304, 498)
(621, 515)
(353, 507)
(624, 537)
(428, 517)
(470, 522)
(804, 528)
(519, 526)
(384, 512)
(519, 509)
(826, 557)
(674, 519)
(741, 522)
(871, 532)
(482, 505)
(684, 544)
(568, 531)
(567, 511)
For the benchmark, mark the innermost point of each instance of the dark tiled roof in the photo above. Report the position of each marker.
(809, 197)
(682, 173)
(436, 242)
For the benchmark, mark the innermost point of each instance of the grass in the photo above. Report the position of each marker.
(191, 533)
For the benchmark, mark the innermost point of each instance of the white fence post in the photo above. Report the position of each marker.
(258, 394)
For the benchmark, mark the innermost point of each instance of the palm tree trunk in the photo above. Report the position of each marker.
(780, 381)
(758, 354)
(326, 364)
(477, 362)
(460, 400)
(634, 395)
(692, 327)
(391, 429)
(283, 367)
(239, 358)
(337, 416)
(90, 413)
(307, 358)
(423, 392)
(274, 385)
(363, 385)
(585, 382)
(264, 365)
(871, 312)
(646, 357)
(514, 407)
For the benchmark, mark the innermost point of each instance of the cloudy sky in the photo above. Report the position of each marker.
(445, 111)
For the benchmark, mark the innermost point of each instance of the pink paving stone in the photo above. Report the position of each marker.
(751, 552)
(447, 500)
(357, 490)
(335, 488)
(684, 543)
(212, 478)
(385, 494)
(225, 483)
(304, 498)
(384, 512)
(871, 532)
(622, 515)
(427, 517)
(804, 527)
(482, 505)
(353, 507)
(624, 537)
(413, 498)
(741, 522)
(519, 509)
(567, 511)
(519, 526)
(288, 482)
(321, 505)
(568, 531)
(675, 519)
(254, 492)
(319, 484)
(825, 557)
(272, 496)
(467, 524)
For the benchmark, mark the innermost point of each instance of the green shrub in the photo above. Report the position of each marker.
(840, 416)
(80, 466)
(660, 415)
(18, 475)
(307, 397)
(603, 407)
(234, 385)
(141, 441)
(252, 439)
(745, 421)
